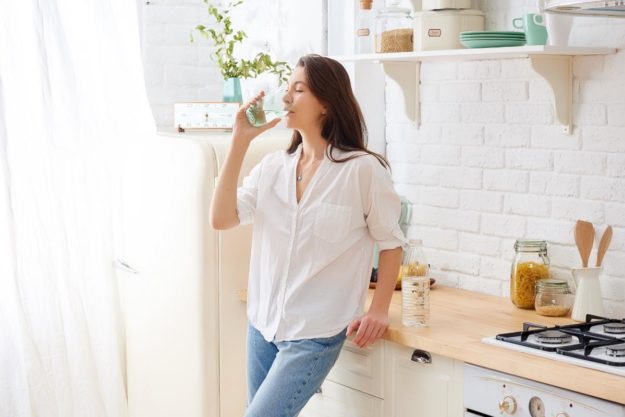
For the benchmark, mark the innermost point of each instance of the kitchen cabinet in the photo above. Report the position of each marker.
(385, 380)
(354, 387)
(361, 369)
(420, 389)
(336, 400)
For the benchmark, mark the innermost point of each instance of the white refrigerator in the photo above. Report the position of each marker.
(180, 280)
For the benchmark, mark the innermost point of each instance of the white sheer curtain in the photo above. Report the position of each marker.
(71, 98)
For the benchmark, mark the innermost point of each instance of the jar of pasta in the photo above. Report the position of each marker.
(530, 265)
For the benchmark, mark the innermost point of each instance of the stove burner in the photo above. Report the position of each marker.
(614, 328)
(553, 337)
(616, 351)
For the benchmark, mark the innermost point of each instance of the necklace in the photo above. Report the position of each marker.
(299, 177)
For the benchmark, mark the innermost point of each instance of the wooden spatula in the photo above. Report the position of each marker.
(584, 237)
(604, 244)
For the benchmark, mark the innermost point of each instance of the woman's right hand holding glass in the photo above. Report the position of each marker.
(243, 131)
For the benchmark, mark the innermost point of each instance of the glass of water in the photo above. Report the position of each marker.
(268, 108)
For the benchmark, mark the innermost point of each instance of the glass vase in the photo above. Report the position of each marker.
(232, 91)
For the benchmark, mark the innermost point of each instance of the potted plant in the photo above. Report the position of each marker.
(225, 38)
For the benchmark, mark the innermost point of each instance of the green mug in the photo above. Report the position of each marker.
(533, 24)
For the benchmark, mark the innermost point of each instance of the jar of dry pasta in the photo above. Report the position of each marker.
(393, 29)
(530, 265)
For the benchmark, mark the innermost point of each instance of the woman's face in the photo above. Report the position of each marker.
(305, 110)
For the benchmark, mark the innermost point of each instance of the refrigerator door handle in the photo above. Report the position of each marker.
(123, 266)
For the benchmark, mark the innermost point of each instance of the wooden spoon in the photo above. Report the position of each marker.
(603, 244)
(584, 237)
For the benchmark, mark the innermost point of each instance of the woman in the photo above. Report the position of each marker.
(317, 208)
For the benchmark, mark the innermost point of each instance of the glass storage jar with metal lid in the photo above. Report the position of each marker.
(393, 29)
(553, 297)
(530, 264)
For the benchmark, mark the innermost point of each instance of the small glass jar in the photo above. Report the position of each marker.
(364, 32)
(393, 29)
(553, 298)
(530, 265)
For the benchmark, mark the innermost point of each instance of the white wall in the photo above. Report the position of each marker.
(489, 165)
(177, 70)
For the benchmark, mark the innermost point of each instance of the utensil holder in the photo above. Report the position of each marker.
(588, 298)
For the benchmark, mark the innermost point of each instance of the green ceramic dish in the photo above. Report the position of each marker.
(492, 37)
(491, 43)
(492, 32)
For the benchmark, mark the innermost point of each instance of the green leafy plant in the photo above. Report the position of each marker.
(225, 38)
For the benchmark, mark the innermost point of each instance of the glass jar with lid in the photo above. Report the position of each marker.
(530, 265)
(393, 29)
(553, 297)
(364, 31)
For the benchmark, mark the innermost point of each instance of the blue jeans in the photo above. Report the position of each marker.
(282, 376)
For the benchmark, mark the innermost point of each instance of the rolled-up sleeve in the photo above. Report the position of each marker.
(383, 208)
(247, 195)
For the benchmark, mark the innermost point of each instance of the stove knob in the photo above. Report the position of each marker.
(562, 415)
(507, 405)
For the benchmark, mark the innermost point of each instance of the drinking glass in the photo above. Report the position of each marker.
(268, 108)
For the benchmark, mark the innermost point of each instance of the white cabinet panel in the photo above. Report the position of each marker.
(361, 369)
(336, 400)
(421, 389)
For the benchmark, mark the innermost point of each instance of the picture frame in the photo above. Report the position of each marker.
(200, 116)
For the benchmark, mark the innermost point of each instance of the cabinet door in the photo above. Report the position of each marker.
(360, 368)
(336, 400)
(415, 389)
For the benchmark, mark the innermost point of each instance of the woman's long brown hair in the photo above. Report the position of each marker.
(344, 125)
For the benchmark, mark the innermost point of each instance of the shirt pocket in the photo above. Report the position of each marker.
(332, 222)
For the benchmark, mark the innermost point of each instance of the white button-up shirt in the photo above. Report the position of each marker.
(311, 262)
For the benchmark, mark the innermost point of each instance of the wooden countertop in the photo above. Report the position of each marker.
(460, 319)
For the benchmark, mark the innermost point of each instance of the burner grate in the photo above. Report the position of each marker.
(598, 340)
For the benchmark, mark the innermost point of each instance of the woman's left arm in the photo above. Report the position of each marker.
(370, 327)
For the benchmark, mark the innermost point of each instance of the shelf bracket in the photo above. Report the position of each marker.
(557, 70)
(408, 76)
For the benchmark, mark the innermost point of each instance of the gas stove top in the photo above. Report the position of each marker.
(598, 343)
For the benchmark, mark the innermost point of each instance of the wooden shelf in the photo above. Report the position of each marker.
(553, 63)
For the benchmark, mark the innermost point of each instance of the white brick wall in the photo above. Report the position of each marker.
(489, 165)
(177, 70)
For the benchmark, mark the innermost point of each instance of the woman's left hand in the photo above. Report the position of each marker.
(369, 328)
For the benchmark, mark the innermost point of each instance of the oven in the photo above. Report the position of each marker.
(489, 393)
